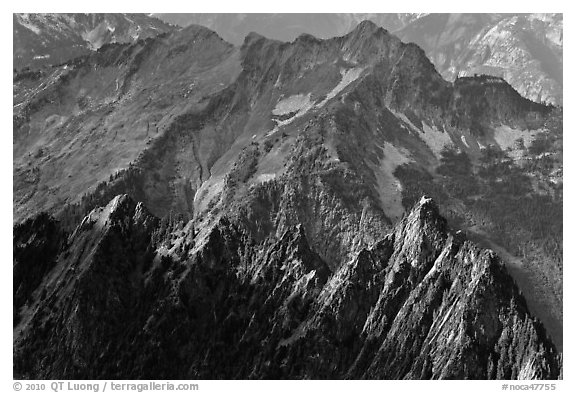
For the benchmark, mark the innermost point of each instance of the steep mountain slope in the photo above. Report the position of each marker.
(524, 49)
(147, 102)
(78, 124)
(509, 199)
(223, 306)
(301, 155)
(44, 39)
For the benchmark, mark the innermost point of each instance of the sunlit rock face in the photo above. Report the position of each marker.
(420, 303)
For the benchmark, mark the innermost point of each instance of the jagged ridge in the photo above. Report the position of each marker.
(222, 306)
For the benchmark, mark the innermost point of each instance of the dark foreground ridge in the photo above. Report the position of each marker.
(128, 297)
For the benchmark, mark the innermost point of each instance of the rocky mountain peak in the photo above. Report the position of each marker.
(193, 32)
(252, 37)
(366, 28)
(426, 203)
(122, 211)
(305, 37)
(457, 304)
(368, 43)
(424, 220)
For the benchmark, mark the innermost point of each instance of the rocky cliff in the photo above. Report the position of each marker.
(122, 302)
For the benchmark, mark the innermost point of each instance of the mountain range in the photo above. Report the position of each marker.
(524, 49)
(322, 208)
(47, 39)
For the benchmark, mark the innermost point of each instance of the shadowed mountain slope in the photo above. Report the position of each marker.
(420, 303)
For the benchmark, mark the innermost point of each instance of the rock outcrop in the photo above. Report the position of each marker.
(420, 303)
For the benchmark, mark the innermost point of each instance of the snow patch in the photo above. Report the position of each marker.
(24, 20)
(277, 83)
(389, 187)
(208, 191)
(406, 121)
(265, 177)
(348, 76)
(295, 103)
(298, 103)
(506, 137)
(435, 139)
